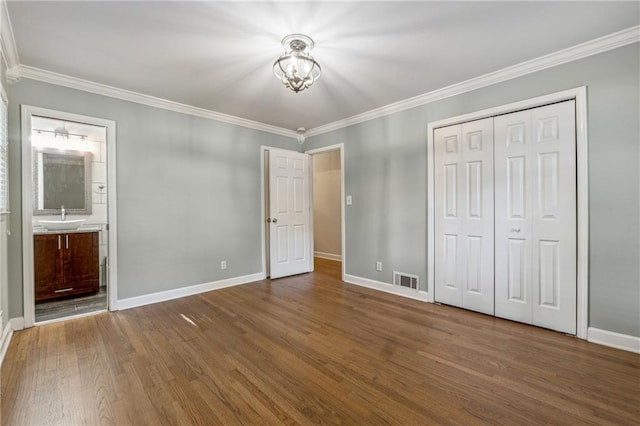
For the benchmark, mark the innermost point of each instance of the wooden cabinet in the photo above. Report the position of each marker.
(65, 264)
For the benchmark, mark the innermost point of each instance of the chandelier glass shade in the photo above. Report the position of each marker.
(296, 68)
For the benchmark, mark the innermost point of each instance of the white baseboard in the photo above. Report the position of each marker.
(614, 340)
(7, 333)
(329, 256)
(162, 296)
(386, 287)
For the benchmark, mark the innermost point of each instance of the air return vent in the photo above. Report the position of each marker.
(405, 280)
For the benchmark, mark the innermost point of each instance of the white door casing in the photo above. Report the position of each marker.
(464, 215)
(536, 256)
(289, 219)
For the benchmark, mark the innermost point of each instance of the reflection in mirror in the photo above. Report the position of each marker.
(61, 178)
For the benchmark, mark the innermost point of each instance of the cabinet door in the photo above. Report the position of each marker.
(81, 261)
(48, 271)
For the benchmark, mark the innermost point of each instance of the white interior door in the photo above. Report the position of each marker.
(464, 215)
(289, 213)
(535, 216)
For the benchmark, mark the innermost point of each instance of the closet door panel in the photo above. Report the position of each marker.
(554, 217)
(513, 231)
(477, 224)
(448, 211)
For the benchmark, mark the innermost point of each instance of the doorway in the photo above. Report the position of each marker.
(267, 213)
(68, 196)
(328, 203)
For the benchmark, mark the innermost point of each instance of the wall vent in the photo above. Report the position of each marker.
(405, 280)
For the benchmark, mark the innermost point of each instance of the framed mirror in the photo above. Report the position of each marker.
(61, 178)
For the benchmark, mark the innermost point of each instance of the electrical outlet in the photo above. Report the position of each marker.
(378, 266)
(223, 264)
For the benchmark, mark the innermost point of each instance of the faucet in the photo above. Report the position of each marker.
(63, 213)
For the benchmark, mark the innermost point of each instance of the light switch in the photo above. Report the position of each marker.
(349, 201)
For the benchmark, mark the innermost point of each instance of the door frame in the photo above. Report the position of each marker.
(579, 94)
(27, 111)
(312, 152)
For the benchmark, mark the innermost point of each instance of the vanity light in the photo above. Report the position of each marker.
(296, 68)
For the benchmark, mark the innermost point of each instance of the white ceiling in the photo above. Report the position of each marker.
(219, 55)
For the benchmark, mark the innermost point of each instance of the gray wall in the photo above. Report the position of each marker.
(385, 172)
(188, 192)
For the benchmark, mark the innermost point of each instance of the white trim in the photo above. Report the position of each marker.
(177, 293)
(580, 96)
(328, 256)
(338, 146)
(152, 101)
(17, 323)
(7, 334)
(27, 112)
(7, 41)
(387, 288)
(614, 340)
(583, 50)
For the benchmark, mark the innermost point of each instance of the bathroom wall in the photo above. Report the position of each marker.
(327, 221)
(188, 192)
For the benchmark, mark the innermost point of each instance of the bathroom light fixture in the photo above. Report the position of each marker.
(62, 132)
(296, 68)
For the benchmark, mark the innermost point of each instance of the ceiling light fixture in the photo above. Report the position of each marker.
(296, 68)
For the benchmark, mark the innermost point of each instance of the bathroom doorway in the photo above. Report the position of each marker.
(68, 216)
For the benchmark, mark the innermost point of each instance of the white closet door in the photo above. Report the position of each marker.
(448, 212)
(464, 215)
(535, 216)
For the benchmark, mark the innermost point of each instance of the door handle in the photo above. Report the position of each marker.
(274, 220)
(268, 220)
(59, 242)
(66, 241)
(515, 229)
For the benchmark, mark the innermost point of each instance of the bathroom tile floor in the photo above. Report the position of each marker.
(73, 306)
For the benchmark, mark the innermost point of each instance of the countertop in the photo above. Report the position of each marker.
(41, 231)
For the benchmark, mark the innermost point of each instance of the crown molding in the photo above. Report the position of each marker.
(583, 50)
(127, 95)
(7, 41)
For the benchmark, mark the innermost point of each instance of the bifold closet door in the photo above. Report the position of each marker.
(464, 215)
(535, 216)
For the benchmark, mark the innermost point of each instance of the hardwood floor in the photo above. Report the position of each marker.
(307, 350)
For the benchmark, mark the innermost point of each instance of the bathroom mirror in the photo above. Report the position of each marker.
(61, 178)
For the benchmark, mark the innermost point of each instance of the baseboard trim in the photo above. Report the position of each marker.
(163, 296)
(386, 287)
(7, 334)
(329, 256)
(614, 340)
(13, 324)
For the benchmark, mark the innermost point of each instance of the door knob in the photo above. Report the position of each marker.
(274, 220)
(268, 220)
(515, 229)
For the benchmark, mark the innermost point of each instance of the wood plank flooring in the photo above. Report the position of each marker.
(310, 349)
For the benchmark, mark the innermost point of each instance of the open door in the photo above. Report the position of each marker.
(289, 218)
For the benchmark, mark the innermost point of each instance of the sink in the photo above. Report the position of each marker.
(62, 225)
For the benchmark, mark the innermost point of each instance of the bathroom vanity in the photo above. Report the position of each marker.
(66, 263)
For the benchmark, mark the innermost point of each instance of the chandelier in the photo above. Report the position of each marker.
(296, 68)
